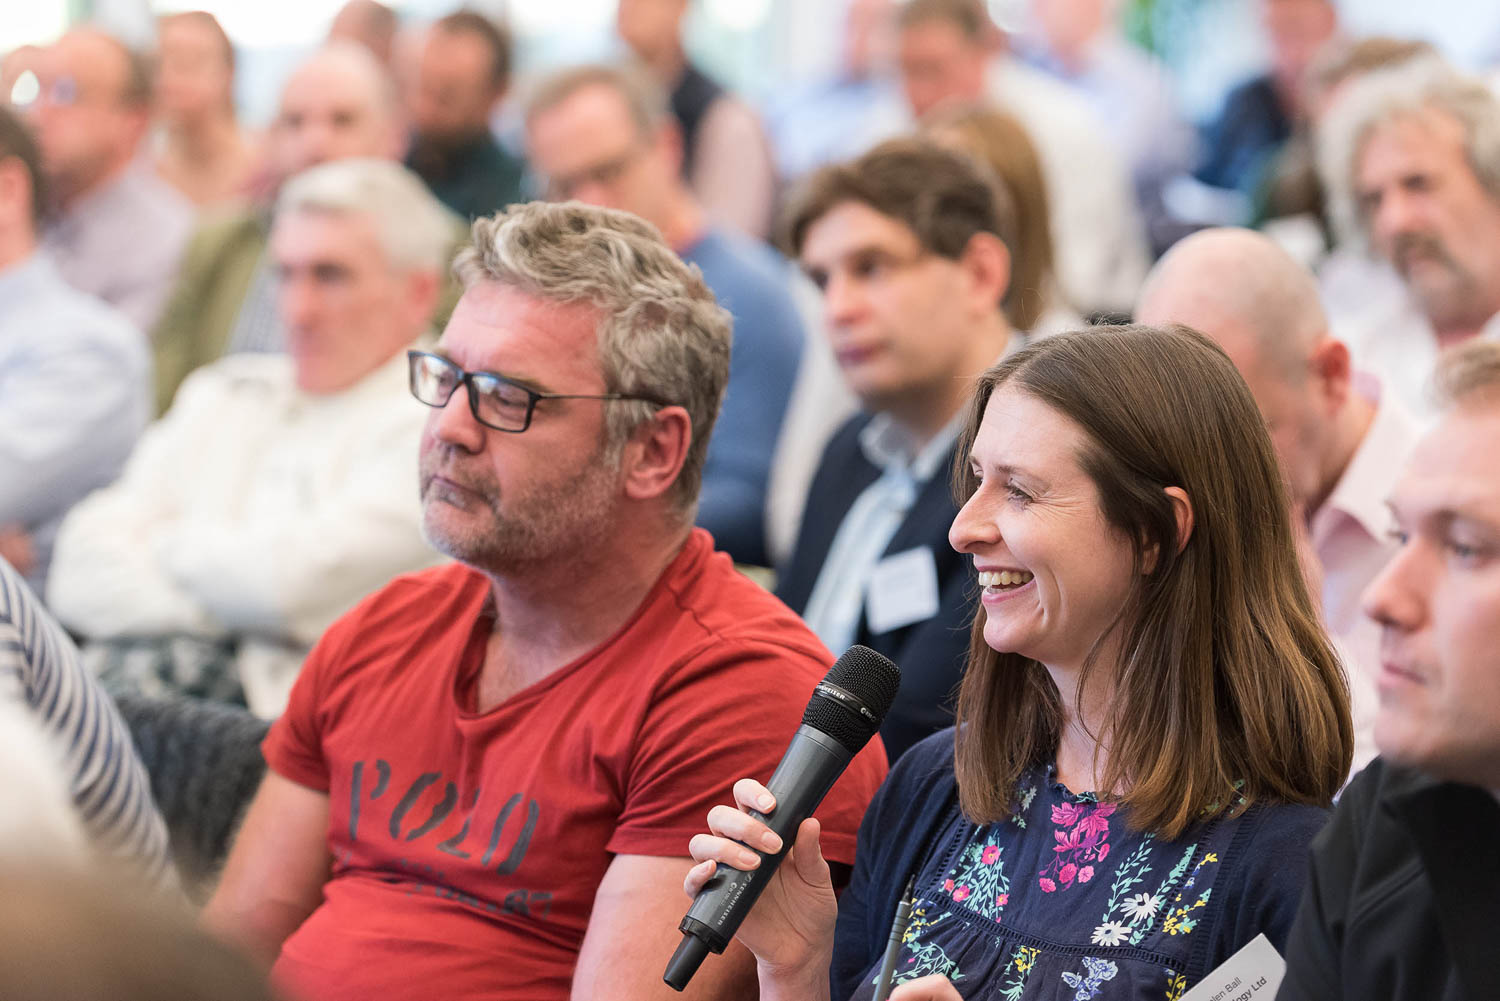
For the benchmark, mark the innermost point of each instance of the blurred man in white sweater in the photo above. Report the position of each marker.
(277, 490)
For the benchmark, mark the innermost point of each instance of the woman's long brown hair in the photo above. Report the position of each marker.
(1228, 691)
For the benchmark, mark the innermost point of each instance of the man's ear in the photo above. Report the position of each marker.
(655, 452)
(1333, 369)
(987, 262)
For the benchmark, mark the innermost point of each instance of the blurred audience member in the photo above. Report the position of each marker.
(839, 118)
(117, 230)
(1411, 158)
(951, 52)
(71, 936)
(605, 137)
(1033, 302)
(367, 23)
(205, 155)
(1258, 116)
(82, 737)
(74, 376)
(1403, 879)
(462, 72)
(276, 492)
(337, 104)
(1080, 42)
(1340, 438)
(911, 246)
(725, 155)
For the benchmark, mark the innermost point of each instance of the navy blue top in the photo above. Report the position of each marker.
(1063, 899)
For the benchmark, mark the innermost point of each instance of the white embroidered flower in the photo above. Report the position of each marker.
(1141, 907)
(1110, 933)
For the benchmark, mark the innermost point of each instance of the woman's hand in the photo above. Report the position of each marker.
(932, 988)
(790, 928)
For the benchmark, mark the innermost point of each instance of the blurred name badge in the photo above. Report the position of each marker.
(1252, 974)
(903, 590)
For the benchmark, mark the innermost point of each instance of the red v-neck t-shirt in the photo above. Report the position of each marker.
(467, 848)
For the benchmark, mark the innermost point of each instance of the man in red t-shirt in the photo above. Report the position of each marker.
(486, 779)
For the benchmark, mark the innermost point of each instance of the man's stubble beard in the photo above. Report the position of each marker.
(539, 523)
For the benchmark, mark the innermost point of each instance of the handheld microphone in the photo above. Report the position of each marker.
(845, 711)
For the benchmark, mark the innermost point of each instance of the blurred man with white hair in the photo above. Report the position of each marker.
(276, 491)
(1340, 439)
(1411, 156)
(339, 103)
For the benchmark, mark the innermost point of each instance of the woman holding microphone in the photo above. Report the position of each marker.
(1150, 727)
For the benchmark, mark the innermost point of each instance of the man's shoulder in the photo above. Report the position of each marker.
(86, 320)
(731, 262)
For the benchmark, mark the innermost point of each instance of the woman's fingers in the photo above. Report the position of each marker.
(751, 795)
(930, 988)
(807, 855)
(697, 876)
(727, 822)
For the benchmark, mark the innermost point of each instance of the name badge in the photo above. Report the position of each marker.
(903, 589)
(1252, 974)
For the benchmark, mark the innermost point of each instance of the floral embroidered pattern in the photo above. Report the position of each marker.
(1096, 973)
(926, 957)
(1082, 830)
(1182, 920)
(978, 880)
(1021, 962)
(1019, 817)
(1176, 985)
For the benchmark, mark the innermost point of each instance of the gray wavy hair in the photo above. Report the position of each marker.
(1416, 87)
(661, 334)
(416, 232)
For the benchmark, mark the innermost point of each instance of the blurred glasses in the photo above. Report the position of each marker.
(495, 401)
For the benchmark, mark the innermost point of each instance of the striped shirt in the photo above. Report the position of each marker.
(40, 672)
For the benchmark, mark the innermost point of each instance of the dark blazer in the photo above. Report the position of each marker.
(1402, 897)
(931, 653)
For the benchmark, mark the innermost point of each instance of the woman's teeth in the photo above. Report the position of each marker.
(1003, 578)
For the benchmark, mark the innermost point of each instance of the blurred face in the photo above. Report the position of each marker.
(83, 124)
(329, 113)
(193, 75)
(938, 65)
(1069, 25)
(896, 314)
(587, 147)
(650, 26)
(454, 90)
(1429, 215)
(499, 501)
(1296, 30)
(1438, 602)
(344, 308)
(1054, 573)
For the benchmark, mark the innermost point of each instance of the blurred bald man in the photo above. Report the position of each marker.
(117, 230)
(338, 104)
(1340, 439)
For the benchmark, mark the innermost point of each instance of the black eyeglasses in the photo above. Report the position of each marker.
(495, 401)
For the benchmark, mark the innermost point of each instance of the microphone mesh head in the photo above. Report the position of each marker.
(871, 680)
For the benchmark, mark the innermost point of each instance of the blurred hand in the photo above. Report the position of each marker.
(17, 549)
(790, 928)
(932, 988)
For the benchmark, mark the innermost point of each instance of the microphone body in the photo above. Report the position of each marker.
(844, 713)
(811, 765)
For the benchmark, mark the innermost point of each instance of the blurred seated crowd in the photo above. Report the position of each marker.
(501, 495)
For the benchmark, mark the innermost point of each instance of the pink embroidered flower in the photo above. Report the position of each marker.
(948, 884)
(1085, 874)
(961, 894)
(1103, 851)
(1047, 885)
(1066, 815)
(1002, 900)
(990, 854)
(1066, 873)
